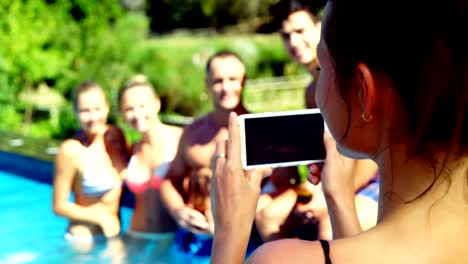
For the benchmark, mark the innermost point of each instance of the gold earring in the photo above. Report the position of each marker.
(366, 118)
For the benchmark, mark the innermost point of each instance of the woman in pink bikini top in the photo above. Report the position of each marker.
(150, 159)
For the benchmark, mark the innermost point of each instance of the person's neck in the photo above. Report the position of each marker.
(312, 68)
(154, 134)
(221, 116)
(407, 183)
(89, 139)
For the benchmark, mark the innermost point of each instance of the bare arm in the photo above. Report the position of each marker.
(185, 216)
(343, 216)
(234, 199)
(282, 200)
(263, 201)
(338, 184)
(229, 246)
(174, 177)
(178, 171)
(269, 219)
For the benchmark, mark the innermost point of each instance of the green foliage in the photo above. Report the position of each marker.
(168, 15)
(110, 56)
(131, 135)
(10, 119)
(176, 66)
(62, 43)
(67, 123)
(34, 45)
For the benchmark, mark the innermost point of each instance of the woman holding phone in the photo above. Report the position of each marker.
(393, 87)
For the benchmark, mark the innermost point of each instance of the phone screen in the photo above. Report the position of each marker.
(284, 139)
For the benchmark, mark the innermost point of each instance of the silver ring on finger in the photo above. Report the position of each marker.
(219, 155)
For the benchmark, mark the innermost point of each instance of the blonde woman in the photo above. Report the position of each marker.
(90, 165)
(150, 159)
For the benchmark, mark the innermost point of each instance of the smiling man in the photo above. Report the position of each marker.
(185, 190)
(300, 26)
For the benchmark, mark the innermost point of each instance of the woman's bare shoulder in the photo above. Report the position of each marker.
(288, 251)
(70, 147)
(177, 130)
(357, 249)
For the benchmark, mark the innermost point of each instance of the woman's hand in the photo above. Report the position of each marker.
(234, 197)
(336, 175)
(109, 224)
(337, 178)
(234, 193)
(192, 220)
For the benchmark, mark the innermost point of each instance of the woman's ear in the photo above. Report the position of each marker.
(367, 91)
(157, 105)
(107, 109)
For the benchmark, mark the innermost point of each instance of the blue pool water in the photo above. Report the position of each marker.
(31, 233)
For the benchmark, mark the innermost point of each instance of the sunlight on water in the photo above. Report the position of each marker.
(31, 233)
(21, 257)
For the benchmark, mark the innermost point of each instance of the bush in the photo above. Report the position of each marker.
(62, 43)
(176, 66)
(169, 15)
(10, 119)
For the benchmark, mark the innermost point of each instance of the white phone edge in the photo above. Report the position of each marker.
(241, 123)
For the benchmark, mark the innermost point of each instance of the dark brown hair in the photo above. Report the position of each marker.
(421, 46)
(281, 10)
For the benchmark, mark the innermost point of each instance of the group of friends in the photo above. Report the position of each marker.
(383, 103)
(169, 170)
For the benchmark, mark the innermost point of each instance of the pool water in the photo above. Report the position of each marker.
(31, 233)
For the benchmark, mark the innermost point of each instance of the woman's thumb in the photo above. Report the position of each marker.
(256, 175)
(329, 141)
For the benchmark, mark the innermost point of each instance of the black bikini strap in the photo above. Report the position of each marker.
(326, 251)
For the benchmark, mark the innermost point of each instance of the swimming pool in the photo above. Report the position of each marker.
(31, 233)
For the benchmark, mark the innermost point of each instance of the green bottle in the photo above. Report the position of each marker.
(303, 194)
(303, 171)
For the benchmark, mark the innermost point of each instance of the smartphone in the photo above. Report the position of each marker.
(282, 139)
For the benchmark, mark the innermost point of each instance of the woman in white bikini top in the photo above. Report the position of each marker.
(150, 159)
(90, 166)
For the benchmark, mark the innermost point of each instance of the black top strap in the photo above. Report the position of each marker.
(326, 251)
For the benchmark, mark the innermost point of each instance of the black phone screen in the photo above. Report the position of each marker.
(279, 139)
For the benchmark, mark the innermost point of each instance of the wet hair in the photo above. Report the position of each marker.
(284, 8)
(137, 81)
(421, 47)
(221, 54)
(84, 87)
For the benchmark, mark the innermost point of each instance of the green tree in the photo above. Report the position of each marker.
(168, 15)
